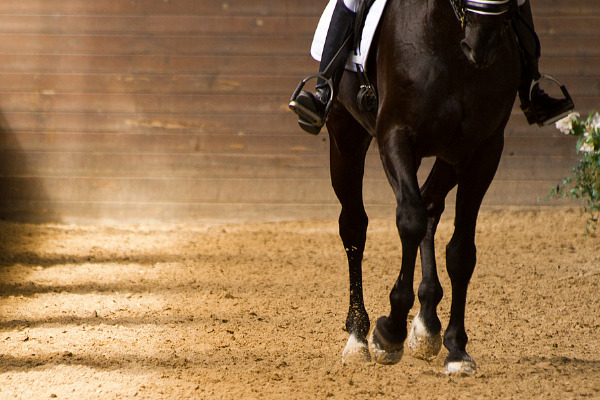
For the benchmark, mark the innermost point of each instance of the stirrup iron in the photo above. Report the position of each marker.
(538, 113)
(307, 118)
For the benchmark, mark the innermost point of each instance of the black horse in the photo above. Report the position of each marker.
(446, 87)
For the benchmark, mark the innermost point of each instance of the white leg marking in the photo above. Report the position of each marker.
(356, 351)
(423, 344)
(466, 367)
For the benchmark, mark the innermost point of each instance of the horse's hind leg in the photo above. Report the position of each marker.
(425, 340)
(473, 182)
(349, 145)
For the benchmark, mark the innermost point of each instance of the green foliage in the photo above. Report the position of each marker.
(584, 183)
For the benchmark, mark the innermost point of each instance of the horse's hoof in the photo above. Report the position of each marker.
(356, 351)
(382, 351)
(421, 343)
(463, 367)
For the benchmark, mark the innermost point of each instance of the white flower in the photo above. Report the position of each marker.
(587, 144)
(565, 125)
(586, 148)
(595, 121)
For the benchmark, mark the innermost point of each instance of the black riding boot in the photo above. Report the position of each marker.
(538, 106)
(312, 108)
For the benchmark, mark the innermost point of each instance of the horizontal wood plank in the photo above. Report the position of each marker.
(161, 7)
(204, 104)
(206, 190)
(544, 144)
(283, 124)
(564, 26)
(248, 166)
(157, 46)
(123, 213)
(275, 123)
(228, 25)
(58, 83)
(232, 46)
(291, 66)
(53, 84)
(154, 25)
(235, 7)
(297, 66)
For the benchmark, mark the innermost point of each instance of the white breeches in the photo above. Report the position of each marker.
(352, 5)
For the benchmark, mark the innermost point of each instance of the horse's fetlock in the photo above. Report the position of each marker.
(392, 331)
(430, 320)
(357, 321)
(455, 339)
(430, 292)
(402, 300)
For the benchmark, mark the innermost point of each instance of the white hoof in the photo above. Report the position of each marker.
(380, 355)
(465, 367)
(421, 343)
(355, 352)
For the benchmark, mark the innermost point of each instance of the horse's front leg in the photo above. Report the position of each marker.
(349, 145)
(473, 182)
(425, 340)
(386, 340)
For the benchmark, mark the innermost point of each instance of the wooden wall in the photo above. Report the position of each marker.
(175, 110)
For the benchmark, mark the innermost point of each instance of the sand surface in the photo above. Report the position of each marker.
(256, 311)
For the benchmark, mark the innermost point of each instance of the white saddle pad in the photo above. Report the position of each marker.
(368, 32)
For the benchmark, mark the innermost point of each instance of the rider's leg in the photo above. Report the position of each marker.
(546, 108)
(311, 108)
